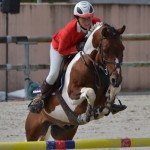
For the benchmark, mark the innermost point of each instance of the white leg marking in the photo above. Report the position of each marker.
(89, 94)
(112, 92)
(40, 138)
(47, 136)
(105, 111)
(86, 94)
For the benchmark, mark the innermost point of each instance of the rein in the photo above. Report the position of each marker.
(104, 62)
(94, 69)
(94, 63)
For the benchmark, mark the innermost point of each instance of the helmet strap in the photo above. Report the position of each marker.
(82, 27)
(80, 24)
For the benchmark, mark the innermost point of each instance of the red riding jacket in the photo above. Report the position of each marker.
(66, 39)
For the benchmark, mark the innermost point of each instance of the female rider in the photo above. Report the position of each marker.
(65, 42)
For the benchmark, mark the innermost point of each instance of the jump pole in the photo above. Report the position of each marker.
(23, 145)
(76, 144)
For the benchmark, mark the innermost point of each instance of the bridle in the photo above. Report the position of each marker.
(104, 61)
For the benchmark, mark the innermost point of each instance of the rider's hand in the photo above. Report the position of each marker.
(80, 46)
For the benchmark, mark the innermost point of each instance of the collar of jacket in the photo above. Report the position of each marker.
(79, 29)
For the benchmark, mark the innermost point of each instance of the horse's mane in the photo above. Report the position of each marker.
(112, 29)
(93, 28)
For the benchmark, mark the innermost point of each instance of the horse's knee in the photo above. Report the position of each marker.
(89, 94)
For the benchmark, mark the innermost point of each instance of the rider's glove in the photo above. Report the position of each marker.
(80, 46)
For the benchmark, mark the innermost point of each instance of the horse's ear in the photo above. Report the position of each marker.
(105, 33)
(121, 30)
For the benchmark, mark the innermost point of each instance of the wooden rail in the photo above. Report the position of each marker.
(35, 67)
(136, 37)
(16, 39)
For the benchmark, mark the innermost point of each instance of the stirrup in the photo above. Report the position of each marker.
(36, 107)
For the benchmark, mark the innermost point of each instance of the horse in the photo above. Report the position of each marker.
(91, 83)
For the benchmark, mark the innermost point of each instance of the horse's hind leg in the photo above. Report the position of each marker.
(63, 133)
(35, 128)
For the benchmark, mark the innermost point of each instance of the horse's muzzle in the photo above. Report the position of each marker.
(115, 81)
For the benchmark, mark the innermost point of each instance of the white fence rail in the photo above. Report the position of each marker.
(34, 67)
(15, 39)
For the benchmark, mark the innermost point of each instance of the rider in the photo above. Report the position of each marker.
(66, 41)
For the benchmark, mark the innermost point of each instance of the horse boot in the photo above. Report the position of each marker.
(117, 108)
(38, 103)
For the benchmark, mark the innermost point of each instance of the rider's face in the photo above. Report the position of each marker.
(86, 22)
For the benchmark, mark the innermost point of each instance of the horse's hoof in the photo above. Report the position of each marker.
(83, 119)
(117, 108)
(36, 107)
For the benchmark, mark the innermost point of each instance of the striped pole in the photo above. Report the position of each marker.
(76, 144)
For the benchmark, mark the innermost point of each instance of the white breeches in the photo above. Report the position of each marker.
(55, 63)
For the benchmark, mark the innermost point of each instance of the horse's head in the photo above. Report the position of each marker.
(109, 45)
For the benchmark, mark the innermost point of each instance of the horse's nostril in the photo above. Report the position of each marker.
(116, 81)
(113, 81)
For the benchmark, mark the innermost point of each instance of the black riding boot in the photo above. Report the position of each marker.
(46, 90)
(38, 103)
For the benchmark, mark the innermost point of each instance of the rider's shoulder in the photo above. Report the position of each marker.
(71, 23)
(96, 19)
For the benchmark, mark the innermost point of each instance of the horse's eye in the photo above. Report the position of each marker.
(105, 54)
(106, 51)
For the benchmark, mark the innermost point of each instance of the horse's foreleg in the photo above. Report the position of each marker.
(90, 96)
(110, 95)
(78, 96)
(114, 92)
(101, 112)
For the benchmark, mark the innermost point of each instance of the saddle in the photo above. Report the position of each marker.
(60, 80)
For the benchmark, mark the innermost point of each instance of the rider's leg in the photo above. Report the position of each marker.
(48, 84)
(55, 63)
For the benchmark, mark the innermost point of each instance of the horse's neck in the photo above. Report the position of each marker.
(96, 57)
(88, 48)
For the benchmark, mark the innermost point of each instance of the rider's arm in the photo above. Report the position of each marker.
(68, 42)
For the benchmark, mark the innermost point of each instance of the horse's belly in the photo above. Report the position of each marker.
(59, 114)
